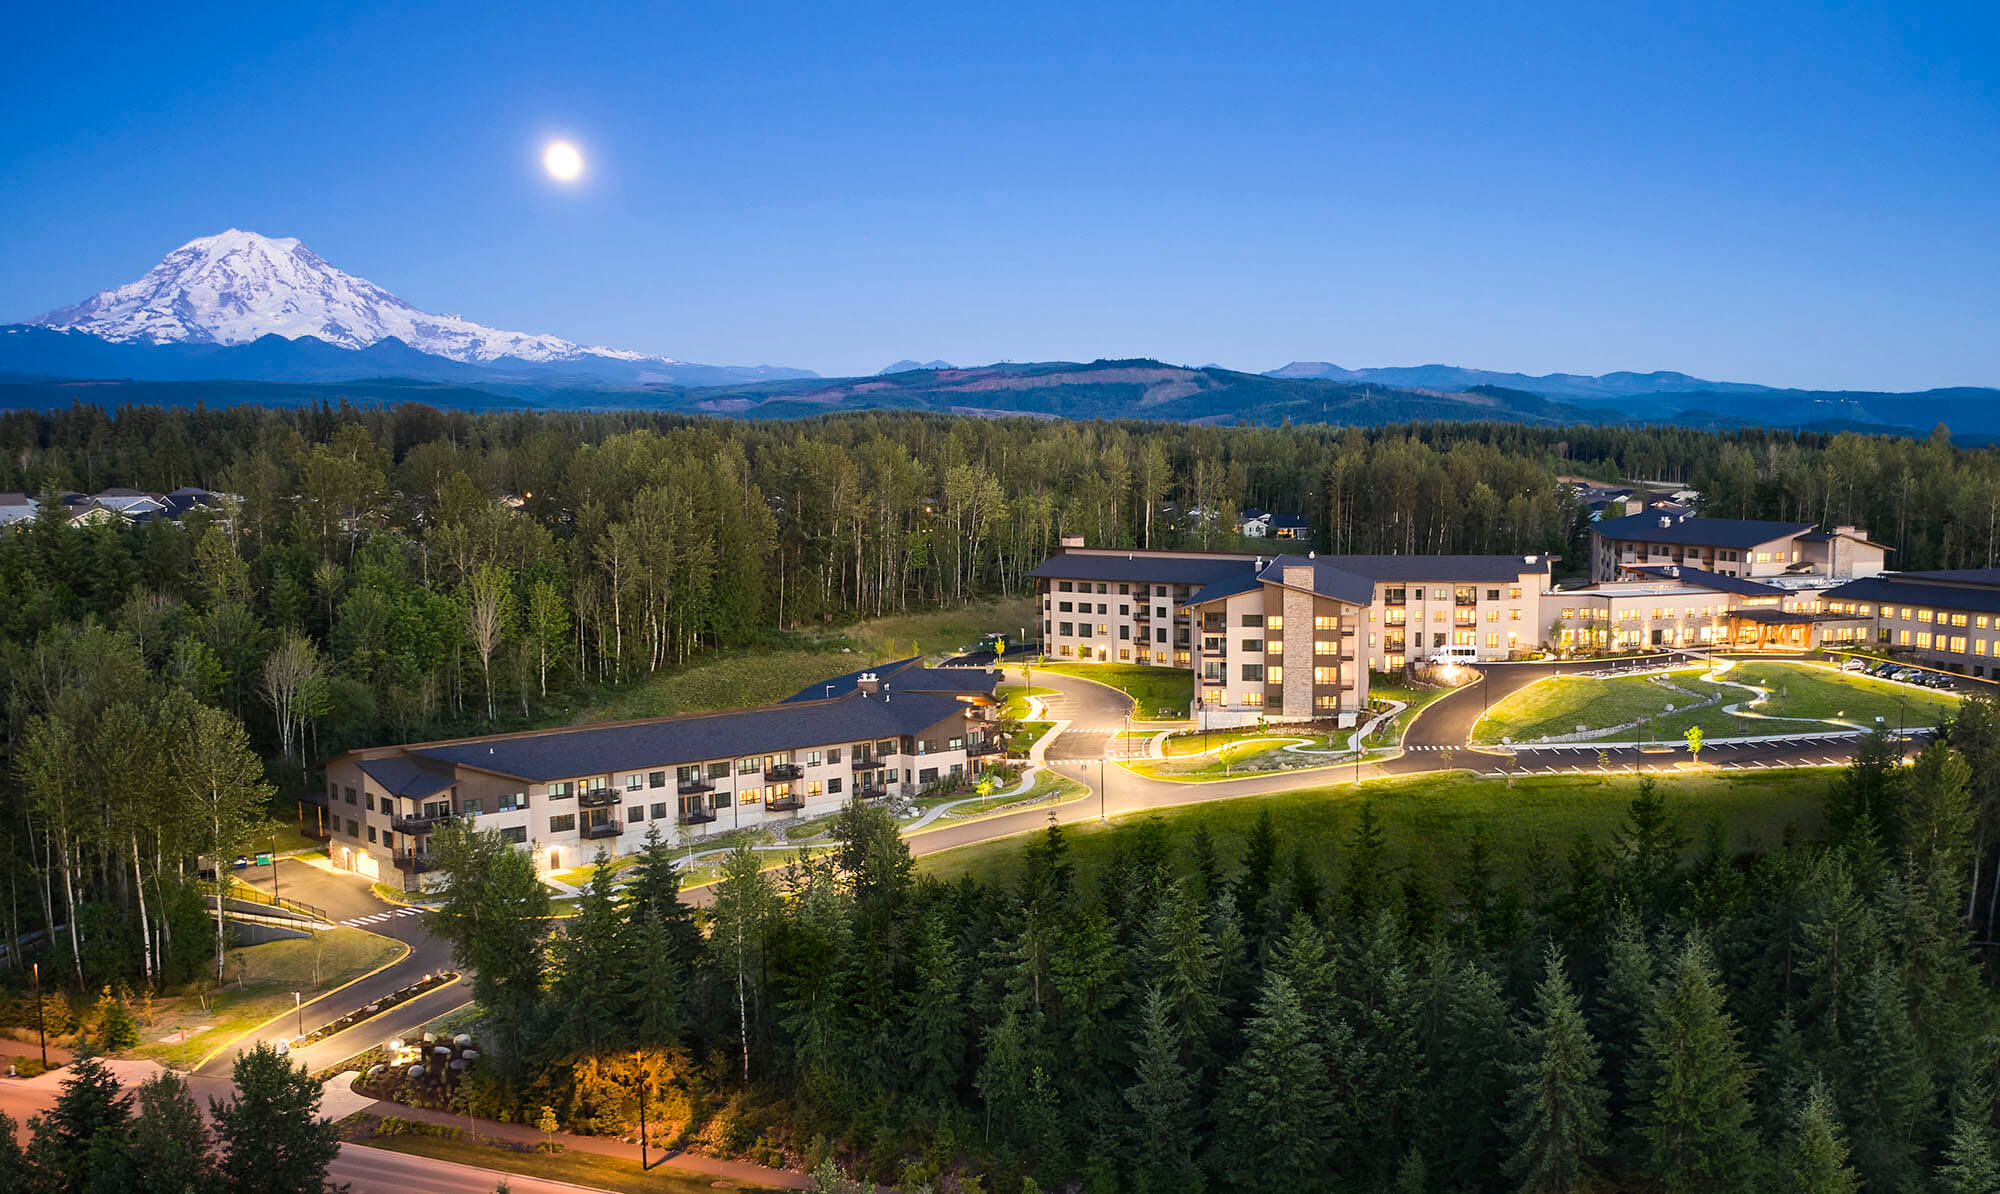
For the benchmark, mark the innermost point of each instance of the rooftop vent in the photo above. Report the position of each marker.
(867, 682)
(1666, 520)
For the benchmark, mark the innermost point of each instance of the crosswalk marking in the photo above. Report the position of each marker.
(378, 917)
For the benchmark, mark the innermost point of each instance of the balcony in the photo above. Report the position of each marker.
(1142, 613)
(861, 765)
(780, 772)
(696, 787)
(697, 816)
(599, 797)
(978, 750)
(414, 864)
(604, 829)
(789, 802)
(416, 824)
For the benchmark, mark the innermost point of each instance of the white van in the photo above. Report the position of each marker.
(1462, 655)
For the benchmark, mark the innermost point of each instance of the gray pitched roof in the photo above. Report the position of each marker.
(1442, 569)
(904, 675)
(665, 742)
(1330, 578)
(1143, 566)
(403, 776)
(1698, 532)
(1713, 580)
(1892, 588)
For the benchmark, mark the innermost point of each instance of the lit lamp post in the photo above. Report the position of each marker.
(41, 1028)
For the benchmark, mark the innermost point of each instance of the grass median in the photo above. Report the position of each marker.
(261, 981)
(1428, 818)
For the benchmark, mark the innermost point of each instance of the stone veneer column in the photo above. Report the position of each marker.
(1298, 611)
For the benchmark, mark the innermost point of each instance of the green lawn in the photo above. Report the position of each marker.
(589, 1170)
(1014, 699)
(1159, 692)
(760, 677)
(270, 973)
(1805, 690)
(1427, 818)
(1026, 734)
(1551, 707)
(1555, 706)
(1249, 756)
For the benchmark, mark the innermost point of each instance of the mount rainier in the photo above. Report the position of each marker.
(238, 287)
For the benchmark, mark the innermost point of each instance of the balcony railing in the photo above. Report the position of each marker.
(414, 864)
(599, 797)
(696, 787)
(416, 824)
(785, 804)
(870, 764)
(697, 816)
(975, 750)
(784, 771)
(604, 829)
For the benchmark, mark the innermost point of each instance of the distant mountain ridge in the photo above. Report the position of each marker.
(912, 366)
(1452, 378)
(240, 288)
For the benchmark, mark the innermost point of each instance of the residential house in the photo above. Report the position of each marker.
(1791, 551)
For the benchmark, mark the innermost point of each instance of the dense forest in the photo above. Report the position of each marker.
(1803, 1017)
(395, 574)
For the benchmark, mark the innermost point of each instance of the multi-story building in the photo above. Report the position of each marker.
(1731, 547)
(1286, 637)
(1681, 606)
(1949, 620)
(565, 794)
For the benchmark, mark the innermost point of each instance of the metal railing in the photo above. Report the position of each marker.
(785, 803)
(784, 771)
(604, 829)
(243, 893)
(599, 797)
(414, 864)
(697, 816)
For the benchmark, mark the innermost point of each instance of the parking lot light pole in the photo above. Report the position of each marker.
(41, 1026)
(301, 1008)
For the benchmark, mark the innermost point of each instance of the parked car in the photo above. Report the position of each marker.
(1851, 664)
(1905, 676)
(1887, 669)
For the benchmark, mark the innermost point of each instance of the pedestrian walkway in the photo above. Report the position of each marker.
(378, 917)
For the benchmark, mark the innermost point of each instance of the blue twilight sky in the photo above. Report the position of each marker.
(1796, 194)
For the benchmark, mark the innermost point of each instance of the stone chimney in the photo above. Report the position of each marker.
(868, 683)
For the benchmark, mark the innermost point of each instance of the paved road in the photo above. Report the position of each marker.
(349, 899)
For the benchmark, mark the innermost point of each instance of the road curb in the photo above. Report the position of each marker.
(225, 1046)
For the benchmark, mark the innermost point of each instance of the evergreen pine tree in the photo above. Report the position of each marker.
(1367, 867)
(1816, 1160)
(1277, 1129)
(655, 886)
(1620, 1011)
(1864, 797)
(1647, 849)
(1558, 1123)
(271, 1137)
(1260, 868)
(1413, 1176)
(14, 1171)
(1207, 878)
(81, 1144)
(1162, 1141)
(117, 1031)
(1884, 1083)
(589, 966)
(1695, 1120)
(1971, 1162)
(169, 1138)
(935, 1013)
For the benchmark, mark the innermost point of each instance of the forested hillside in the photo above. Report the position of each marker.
(401, 574)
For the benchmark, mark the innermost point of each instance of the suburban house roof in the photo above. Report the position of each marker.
(904, 675)
(403, 776)
(1898, 588)
(1142, 566)
(1857, 536)
(1699, 532)
(1703, 578)
(546, 755)
(1245, 581)
(1293, 522)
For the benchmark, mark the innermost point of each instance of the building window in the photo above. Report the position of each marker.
(927, 776)
(812, 758)
(659, 811)
(833, 754)
(635, 781)
(1068, 607)
(1958, 644)
(833, 787)
(353, 828)
(1064, 586)
(368, 798)
(886, 747)
(1326, 675)
(1065, 628)
(515, 835)
(749, 765)
(1253, 698)
(1274, 621)
(1325, 622)
(718, 771)
(1325, 646)
(1253, 671)
(470, 807)
(349, 795)
(512, 802)
(1274, 674)
(635, 813)
(563, 790)
(563, 823)
(371, 834)
(1254, 621)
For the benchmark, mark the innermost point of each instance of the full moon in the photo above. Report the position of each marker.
(562, 161)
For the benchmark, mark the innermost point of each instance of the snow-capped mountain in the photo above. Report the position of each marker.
(239, 286)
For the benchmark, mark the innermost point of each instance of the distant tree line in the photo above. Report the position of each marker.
(1628, 1015)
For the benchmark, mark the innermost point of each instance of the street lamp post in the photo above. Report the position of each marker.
(41, 1027)
(644, 1162)
(300, 1007)
(1101, 820)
